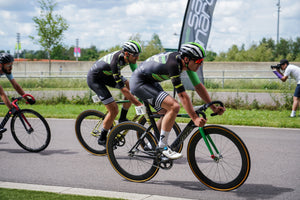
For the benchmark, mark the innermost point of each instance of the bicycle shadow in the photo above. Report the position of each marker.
(44, 153)
(261, 191)
(248, 191)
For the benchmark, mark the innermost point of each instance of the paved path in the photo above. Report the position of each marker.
(67, 168)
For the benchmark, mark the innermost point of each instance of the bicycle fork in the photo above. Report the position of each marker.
(209, 142)
(25, 123)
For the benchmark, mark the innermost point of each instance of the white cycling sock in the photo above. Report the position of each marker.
(163, 140)
(293, 112)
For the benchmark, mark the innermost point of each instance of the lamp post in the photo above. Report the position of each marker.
(278, 11)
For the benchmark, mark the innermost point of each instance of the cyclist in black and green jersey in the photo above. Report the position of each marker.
(107, 72)
(144, 83)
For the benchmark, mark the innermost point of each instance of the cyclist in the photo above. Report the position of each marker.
(6, 64)
(107, 72)
(144, 83)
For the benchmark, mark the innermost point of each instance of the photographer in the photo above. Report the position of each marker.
(289, 70)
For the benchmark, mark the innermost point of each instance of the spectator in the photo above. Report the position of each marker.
(293, 71)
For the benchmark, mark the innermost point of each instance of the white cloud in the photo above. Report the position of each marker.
(108, 23)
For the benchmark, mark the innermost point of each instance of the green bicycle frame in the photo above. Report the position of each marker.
(207, 139)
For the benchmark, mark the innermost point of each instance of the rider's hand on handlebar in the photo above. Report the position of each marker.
(31, 101)
(199, 121)
(29, 98)
(219, 110)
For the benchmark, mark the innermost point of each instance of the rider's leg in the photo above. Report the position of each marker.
(158, 123)
(172, 108)
(125, 107)
(112, 109)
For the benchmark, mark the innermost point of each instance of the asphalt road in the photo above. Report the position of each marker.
(275, 171)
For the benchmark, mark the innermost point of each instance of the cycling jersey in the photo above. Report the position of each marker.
(106, 72)
(158, 68)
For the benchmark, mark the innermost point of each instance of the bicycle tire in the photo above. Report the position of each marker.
(36, 139)
(126, 163)
(175, 130)
(231, 170)
(87, 133)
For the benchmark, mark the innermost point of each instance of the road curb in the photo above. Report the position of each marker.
(84, 192)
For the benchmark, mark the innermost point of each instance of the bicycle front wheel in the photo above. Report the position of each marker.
(30, 130)
(229, 168)
(128, 154)
(88, 127)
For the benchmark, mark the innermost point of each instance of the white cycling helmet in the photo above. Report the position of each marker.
(132, 47)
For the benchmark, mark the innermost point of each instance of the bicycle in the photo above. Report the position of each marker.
(88, 127)
(29, 128)
(216, 155)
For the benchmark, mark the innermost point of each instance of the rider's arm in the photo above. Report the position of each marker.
(5, 98)
(187, 104)
(125, 91)
(17, 87)
(115, 66)
(202, 92)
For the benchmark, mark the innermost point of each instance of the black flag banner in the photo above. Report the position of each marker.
(196, 28)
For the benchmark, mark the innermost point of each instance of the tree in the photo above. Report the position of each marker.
(90, 54)
(60, 52)
(154, 47)
(50, 27)
(210, 56)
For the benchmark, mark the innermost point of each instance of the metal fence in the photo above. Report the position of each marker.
(210, 75)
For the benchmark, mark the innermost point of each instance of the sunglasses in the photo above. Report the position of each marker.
(134, 54)
(199, 61)
(8, 66)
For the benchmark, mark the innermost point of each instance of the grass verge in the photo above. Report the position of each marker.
(245, 117)
(15, 194)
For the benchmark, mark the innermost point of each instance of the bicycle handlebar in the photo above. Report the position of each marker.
(16, 99)
(200, 110)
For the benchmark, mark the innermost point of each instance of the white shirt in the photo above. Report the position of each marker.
(293, 71)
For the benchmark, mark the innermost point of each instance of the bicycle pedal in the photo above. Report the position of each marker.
(165, 163)
(2, 130)
(165, 159)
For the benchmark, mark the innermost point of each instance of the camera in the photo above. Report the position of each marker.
(278, 66)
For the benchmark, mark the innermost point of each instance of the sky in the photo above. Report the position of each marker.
(107, 23)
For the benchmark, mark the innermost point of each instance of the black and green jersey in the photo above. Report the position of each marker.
(166, 66)
(111, 65)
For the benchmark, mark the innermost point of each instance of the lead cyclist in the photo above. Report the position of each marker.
(144, 83)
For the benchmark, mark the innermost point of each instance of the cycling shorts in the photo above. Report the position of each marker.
(99, 85)
(297, 91)
(150, 92)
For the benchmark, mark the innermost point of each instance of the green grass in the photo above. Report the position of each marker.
(15, 194)
(249, 85)
(245, 117)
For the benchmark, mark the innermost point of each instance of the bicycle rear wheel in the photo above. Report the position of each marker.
(88, 127)
(128, 156)
(30, 130)
(175, 131)
(229, 169)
